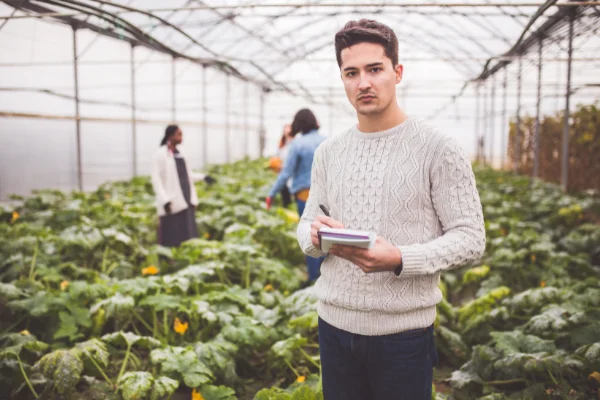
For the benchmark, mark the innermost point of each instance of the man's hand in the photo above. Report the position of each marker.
(382, 257)
(320, 222)
(167, 208)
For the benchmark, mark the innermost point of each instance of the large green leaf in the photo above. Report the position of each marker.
(10, 291)
(163, 388)
(210, 392)
(117, 305)
(182, 363)
(161, 302)
(94, 349)
(129, 339)
(135, 385)
(63, 367)
(287, 348)
(518, 342)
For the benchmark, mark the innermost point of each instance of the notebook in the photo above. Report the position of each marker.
(347, 237)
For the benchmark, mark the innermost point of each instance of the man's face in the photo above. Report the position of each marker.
(177, 137)
(369, 78)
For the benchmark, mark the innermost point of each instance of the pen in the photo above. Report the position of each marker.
(324, 209)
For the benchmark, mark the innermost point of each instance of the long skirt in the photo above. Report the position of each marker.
(176, 228)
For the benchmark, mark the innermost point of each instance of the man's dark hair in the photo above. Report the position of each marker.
(304, 122)
(367, 30)
(170, 131)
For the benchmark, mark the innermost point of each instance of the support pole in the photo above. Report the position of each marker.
(484, 124)
(227, 119)
(261, 132)
(536, 138)
(173, 90)
(246, 130)
(133, 114)
(505, 124)
(492, 135)
(77, 115)
(204, 121)
(565, 139)
(477, 133)
(517, 142)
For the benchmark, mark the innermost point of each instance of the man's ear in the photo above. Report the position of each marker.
(399, 71)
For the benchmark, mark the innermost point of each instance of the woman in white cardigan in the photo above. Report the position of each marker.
(176, 197)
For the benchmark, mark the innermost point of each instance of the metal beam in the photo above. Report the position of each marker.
(261, 132)
(246, 130)
(329, 5)
(492, 135)
(227, 131)
(173, 90)
(536, 138)
(517, 142)
(77, 115)
(565, 140)
(204, 121)
(133, 114)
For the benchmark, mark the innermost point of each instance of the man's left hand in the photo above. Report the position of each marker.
(382, 257)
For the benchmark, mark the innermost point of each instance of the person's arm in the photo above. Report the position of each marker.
(457, 204)
(157, 182)
(288, 169)
(317, 195)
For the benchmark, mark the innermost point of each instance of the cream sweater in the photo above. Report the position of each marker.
(414, 187)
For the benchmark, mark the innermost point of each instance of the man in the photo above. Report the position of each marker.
(415, 189)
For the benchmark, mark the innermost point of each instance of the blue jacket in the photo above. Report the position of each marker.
(298, 164)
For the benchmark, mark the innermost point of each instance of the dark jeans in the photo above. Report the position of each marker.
(388, 367)
(313, 265)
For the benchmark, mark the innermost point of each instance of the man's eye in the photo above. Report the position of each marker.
(375, 69)
(351, 73)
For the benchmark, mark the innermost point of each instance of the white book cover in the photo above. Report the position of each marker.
(348, 237)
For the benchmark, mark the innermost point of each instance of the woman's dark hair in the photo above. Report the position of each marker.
(304, 121)
(170, 131)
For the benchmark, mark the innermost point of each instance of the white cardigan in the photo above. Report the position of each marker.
(165, 182)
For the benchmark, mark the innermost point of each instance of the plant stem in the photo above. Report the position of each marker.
(104, 256)
(106, 378)
(33, 261)
(292, 368)
(247, 272)
(165, 325)
(124, 363)
(112, 267)
(142, 321)
(309, 358)
(507, 382)
(26, 378)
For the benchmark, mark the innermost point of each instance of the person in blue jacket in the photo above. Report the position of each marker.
(298, 167)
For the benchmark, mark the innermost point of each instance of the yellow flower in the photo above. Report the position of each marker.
(268, 288)
(15, 216)
(543, 284)
(206, 235)
(180, 327)
(151, 270)
(301, 379)
(107, 196)
(25, 332)
(196, 395)
(595, 376)
(64, 285)
(533, 258)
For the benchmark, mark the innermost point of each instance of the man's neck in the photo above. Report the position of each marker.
(389, 119)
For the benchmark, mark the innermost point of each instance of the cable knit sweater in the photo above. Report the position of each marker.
(414, 187)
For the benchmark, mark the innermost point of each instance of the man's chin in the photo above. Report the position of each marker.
(369, 110)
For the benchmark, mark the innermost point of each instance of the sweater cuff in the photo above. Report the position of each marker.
(413, 261)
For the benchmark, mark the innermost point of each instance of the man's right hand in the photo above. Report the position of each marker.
(320, 222)
(167, 208)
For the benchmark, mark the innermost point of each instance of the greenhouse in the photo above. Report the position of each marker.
(116, 284)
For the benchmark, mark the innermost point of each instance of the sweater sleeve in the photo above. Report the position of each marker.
(458, 207)
(316, 196)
